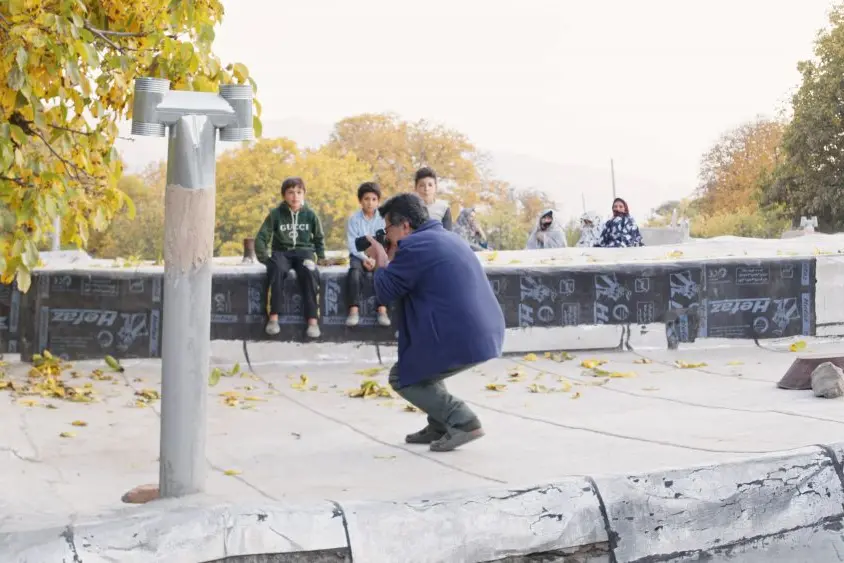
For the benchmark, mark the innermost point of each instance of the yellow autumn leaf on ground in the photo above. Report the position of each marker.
(410, 408)
(148, 395)
(495, 387)
(253, 398)
(302, 384)
(370, 388)
(592, 364)
(67, 435)
(644, 361)
(232, 472)
(566, 385)
(27, 402)
(530, 357)
(547, 355)
(620, 375)
(797, 346)
(536, 388)
(689, 365)
(492, 256)
(735, 363)
(576, 395)
(141, 404)
(674, 254)
(79, 423)
(370, 372)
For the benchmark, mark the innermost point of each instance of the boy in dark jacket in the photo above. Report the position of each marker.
(289, 237)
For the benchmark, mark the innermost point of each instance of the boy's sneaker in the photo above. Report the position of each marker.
(383, 319)
(313, 331)
(273, 328)
(353, 319)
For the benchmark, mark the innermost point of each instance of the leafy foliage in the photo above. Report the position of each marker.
(810, 180)
(66, 74)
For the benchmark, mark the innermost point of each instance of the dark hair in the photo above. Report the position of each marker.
(405, 207)
(423, 173)
(369, 188)
(624, 203)
(292, 183)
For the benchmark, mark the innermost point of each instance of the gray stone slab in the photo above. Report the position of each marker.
(695, 512)
(183, 530)
(478, 526)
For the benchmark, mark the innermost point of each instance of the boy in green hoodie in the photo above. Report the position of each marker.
(289, 237)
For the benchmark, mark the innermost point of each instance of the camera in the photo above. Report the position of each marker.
(362, 243)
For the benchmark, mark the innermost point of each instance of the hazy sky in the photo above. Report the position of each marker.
(651, 83)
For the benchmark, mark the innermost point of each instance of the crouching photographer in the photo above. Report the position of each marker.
(450, 320)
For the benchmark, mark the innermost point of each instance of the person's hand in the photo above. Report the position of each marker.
(369, 264)
(377, 253)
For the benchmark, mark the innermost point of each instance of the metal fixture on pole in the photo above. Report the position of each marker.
(190, 120)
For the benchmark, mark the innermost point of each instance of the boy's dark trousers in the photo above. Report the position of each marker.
(354, 282)
(277, 267)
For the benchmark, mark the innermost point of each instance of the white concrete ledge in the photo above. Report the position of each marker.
(782, 507)
(479, 526)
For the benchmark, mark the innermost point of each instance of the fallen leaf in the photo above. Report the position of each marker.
(28, 402)
(619, 374)
(253, 398)
(370, 388)
(232, 472)
(67, 435)
(674, 254)
(50, 406)
(576, 395)
(547, 355)
(530, 357)
(536, 388)
(689, 365)
(302, 384)
(592, 364)
(410, 408)
(370, 372)
(214, 378)
(797, 346)
(735, 363)
(643, 361)
(141, 404)
(79, 423)
(495, 387)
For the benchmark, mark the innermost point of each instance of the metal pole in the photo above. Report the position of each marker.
(193, 119)
(612, 172)
(186, 324)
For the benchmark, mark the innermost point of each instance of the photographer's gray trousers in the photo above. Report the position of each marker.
(444, 410)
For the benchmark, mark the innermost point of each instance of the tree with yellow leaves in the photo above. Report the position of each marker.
(249, 186)
(394, 149)
(66, 75)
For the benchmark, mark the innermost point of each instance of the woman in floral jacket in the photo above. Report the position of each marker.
(621, 231)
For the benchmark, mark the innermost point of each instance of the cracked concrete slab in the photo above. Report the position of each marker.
(186, 530)
(491, 524)
(686, 513)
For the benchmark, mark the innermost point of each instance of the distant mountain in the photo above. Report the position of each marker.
(566, 184)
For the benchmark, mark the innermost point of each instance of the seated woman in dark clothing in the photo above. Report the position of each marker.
(621, 231)
(469, 230)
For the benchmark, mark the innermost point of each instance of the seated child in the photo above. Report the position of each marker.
(426, 187)
(364, 222)
(289, 237)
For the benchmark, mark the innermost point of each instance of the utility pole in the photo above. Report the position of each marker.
(612, 172)
(190, 121)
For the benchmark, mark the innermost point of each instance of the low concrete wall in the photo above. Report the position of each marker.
(779, 507)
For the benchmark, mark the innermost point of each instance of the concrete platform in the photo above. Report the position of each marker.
(289, 442)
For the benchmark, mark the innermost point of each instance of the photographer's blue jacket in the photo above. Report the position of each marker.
(450, 316)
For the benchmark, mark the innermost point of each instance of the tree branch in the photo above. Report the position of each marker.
(17, 181)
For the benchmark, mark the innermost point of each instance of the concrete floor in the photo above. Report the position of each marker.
(315, 441)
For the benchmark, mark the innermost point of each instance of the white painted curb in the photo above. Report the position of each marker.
(779, 507)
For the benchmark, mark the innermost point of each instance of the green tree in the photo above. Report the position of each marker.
(66, 74)
(509, 215)
(810, 179)
(141, 236)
